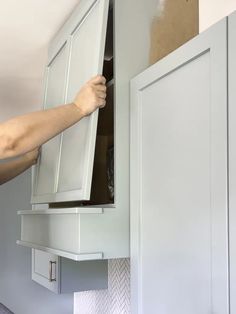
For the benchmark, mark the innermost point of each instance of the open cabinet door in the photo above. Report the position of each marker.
(72, 160)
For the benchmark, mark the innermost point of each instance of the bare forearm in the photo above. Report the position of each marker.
(11, 169)
(32, 130)
(22, 134)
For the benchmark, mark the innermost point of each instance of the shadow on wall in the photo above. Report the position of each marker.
(4, 310)
(19, 96)
(23, 92)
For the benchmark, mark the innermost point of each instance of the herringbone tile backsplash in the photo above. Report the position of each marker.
(115, 300)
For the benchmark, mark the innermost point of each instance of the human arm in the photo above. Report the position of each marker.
(24, 133)
(11, 169)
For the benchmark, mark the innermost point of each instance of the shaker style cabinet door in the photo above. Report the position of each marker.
(46, 171)
(78, 143)
(61, 275)
(45, 270)
(64, 172)
(179, 248)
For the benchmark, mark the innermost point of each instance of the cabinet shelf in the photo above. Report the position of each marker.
(66, 254)
(60, 231)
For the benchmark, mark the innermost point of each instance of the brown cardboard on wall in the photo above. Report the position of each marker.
(176, 24)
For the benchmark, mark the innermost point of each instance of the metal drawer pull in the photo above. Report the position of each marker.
(50, 271)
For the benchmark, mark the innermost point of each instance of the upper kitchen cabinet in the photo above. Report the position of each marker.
(84, 176)
(179, 179)
(64, 171)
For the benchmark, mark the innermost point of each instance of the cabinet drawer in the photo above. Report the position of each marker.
(57, 231)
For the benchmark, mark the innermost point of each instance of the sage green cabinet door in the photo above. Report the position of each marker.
(179, 209)
(46, 172)
(78, 142)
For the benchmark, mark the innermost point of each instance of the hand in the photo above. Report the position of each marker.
(32, 156)
(92, 95)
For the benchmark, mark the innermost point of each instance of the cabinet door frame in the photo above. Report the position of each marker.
(215, 41)
(65, 35)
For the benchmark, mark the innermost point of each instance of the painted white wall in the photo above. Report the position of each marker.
(26, 28)
(17, 291)
(19, 96)
(211, 11)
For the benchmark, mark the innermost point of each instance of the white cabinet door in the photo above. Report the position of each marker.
(61, 275)
(45, 270)
(65, 276)
(232, 159)
(179, 248)
(78, 144)
(65, 169)
(46, 171)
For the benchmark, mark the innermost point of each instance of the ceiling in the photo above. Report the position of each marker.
(26, 27)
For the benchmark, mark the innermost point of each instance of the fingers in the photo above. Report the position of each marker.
(32, 156)
(97, 80)
(101, 88)
(101, 91)
(92, 95)
(101, 103)
(101, 94)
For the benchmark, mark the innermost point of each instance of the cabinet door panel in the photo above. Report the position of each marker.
(41, 270)
(47, 168)
(179, 250)
(78, 144)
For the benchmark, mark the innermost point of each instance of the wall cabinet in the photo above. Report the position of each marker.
(62, 275)
(179, 178)
(83, 174)
(45, 270)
